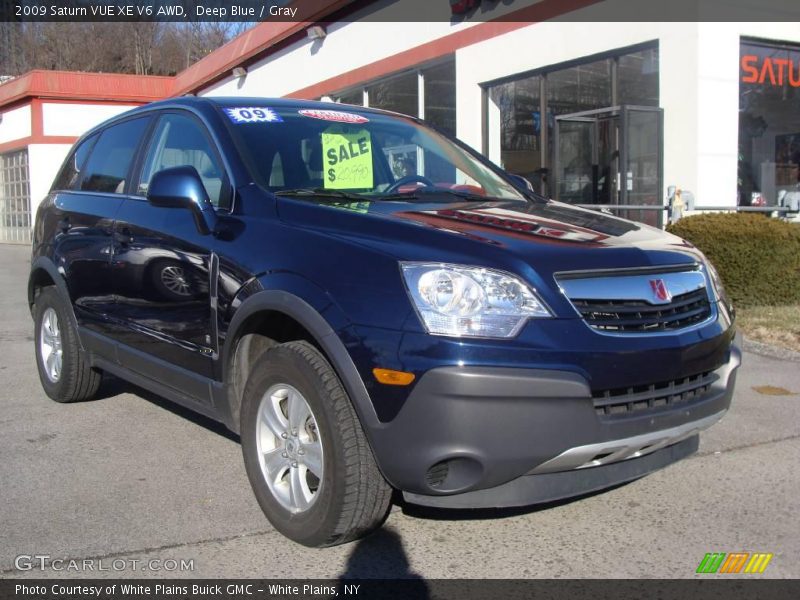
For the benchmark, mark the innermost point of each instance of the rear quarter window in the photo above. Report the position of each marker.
(109, 164)
(71, 171)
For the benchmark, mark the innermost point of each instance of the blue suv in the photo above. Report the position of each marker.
(374, 308)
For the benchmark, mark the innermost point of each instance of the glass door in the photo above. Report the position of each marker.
(642, 164)
(610, 159)
(575, 162)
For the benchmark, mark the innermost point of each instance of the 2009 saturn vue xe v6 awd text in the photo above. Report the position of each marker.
(372, 306)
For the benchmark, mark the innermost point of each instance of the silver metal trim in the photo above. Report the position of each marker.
(611, 451)
(636, 286)
(632, 287)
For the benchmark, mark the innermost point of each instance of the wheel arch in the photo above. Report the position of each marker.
(272, 317)
(44, 273)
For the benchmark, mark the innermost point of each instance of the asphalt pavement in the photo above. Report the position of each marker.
(130, 483)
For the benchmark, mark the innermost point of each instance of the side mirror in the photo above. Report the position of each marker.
(181, 187)
(520, 182)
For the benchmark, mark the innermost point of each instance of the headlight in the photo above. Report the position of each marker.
(716, 281)
(470, 301)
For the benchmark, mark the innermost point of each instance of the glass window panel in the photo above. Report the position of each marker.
(70, 173)
(769, 124)
(637, 78)
(178, 141)
(111, 157)
(15, 201)
(579, 88)
(354, 97)
(575, 89)
(440, 96)
(399, 94)
(520, 126)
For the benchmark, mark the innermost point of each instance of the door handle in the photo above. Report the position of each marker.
(64, 225)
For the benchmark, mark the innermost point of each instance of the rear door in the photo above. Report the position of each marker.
(164, 267)
(86, 197)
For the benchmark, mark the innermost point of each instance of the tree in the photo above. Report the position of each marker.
(142, 48)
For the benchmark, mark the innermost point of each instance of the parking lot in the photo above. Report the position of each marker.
(132, 479)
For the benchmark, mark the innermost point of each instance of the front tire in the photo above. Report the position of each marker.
(65, 373)
(306, 455)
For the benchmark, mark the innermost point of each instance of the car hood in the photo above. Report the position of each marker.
(550, 236)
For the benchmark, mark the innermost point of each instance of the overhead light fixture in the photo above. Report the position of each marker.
(316, 32)
(239, 72)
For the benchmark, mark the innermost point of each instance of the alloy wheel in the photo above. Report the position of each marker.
(289, 448)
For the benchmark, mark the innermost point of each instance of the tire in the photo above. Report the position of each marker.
(56, 343)
(351, 497)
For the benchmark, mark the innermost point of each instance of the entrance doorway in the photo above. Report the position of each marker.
(611, 158)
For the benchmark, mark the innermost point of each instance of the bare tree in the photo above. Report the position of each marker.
(142, 48)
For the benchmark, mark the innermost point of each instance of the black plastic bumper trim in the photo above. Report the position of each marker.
(548, 487)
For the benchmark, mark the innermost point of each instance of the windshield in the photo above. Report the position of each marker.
(350, 152)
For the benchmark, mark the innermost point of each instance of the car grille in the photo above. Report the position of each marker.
(633, 316)
(637, 400)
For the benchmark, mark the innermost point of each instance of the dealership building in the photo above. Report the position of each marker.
(606, 114)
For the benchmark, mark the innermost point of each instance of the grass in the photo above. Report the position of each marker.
(775, 325)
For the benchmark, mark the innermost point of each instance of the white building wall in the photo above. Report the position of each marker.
(15, 124)
(44, 161)
(347, 46)
(75, 119)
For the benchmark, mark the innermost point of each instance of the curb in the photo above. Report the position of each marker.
(769, 350)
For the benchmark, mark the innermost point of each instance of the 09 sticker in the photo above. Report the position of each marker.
(253, 114)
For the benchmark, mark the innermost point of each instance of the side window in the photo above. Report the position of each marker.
(71, 171)
(110, 160)
(180, 141)
(276, 175)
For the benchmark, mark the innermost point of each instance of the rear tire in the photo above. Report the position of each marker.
(65, 373)
(317, 483)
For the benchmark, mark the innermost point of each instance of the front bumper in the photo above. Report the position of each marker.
(490, 437)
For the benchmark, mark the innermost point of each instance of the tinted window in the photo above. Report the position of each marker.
(71, 171)
(637, 78)
(440, 96)
(519, 103)
(178, 141)
(356, 98)
(111, 157)
(399, 94)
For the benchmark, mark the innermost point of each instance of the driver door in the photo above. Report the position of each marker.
(163, 266)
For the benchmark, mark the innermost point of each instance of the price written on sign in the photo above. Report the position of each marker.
(348, 159)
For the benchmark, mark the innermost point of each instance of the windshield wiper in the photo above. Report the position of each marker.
(321, 193)
(424, 193)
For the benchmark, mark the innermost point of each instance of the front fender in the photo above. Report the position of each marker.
(310, 306)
